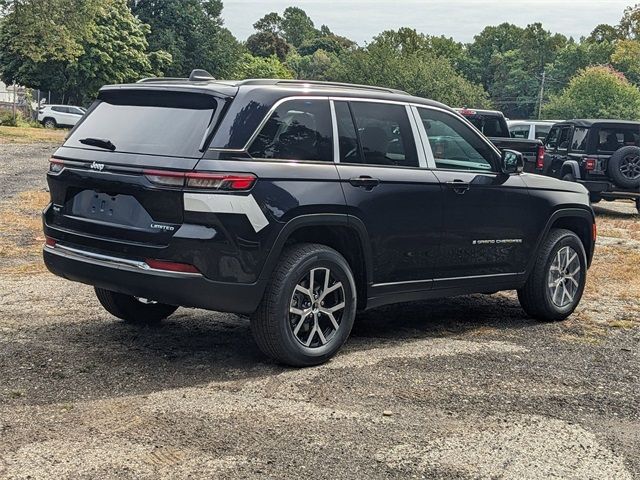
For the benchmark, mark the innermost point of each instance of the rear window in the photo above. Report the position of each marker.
(611, 139)
(490, 126)
(152, 122)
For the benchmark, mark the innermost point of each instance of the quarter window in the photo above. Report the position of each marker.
(455, 145)
(384, 134)
(296, 130)
(579, 141)
(519, 131)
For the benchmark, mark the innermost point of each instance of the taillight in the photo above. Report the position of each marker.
(594, 231)
(55, 165)
(49, 242)
(589, 164)
(171, 266)
(540, 158)
(202, 180)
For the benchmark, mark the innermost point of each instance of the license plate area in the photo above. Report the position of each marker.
(117, 209)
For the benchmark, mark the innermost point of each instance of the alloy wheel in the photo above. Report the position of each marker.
(316, 308)
(564, 277)
(630, 167)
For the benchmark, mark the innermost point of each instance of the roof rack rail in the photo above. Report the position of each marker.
(319, 83)
(161, 79)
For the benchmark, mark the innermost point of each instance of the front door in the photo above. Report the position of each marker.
(387, 188)
(485, 212)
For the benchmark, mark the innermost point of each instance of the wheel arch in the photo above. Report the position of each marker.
(345, 234)
(570, 166)
(578, 220)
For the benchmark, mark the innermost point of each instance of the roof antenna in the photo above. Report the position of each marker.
(199, 75)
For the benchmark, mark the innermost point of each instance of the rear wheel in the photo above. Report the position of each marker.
(554, 287)
(568, 177)
(49, 123)
(133, 309)
(308, 308)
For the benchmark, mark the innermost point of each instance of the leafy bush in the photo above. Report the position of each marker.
(7, 119)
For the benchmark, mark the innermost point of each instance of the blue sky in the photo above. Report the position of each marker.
(461, 19)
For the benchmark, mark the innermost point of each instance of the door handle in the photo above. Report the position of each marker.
(364, 181)
(458, 186)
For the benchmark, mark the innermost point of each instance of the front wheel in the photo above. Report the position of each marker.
(133, 309)
(554, 287)
(638, 205)
(50, 123)
(308, 308)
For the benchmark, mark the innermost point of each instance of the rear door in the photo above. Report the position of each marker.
(381, 169)
(485, 232)
(111, 177)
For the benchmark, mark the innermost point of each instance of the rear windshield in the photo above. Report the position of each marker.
(612, 138)
(491, 126)
(152, 122)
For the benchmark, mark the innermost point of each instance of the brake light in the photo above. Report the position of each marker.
(56, 165)
(202, 180)
(589, 163)
(171, 266)
(467, 112)
(540, 158)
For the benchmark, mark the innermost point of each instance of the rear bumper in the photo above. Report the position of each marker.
(133, 278)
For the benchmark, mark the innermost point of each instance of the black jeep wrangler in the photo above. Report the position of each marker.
(602, 155)
(299, 204)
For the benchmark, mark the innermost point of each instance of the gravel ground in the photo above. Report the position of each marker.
(460, 388)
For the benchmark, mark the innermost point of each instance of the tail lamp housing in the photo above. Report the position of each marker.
(540, 157)
(590, 164)
(202, 180)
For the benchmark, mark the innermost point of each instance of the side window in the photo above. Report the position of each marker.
(347, 136)
(455, 145)
(564, 138)
(552, 138)
(541, 131)
(296, 130)
(519, 131)
(579, 141)
(59, 109)
(385, 134)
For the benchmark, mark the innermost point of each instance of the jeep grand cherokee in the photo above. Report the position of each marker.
(299, 204)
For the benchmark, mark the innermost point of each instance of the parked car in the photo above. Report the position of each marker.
(299, 203)
(602, 155)
(52, 116)
(493, 125)
(530, 129)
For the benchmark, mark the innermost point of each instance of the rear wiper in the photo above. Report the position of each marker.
(98, 142)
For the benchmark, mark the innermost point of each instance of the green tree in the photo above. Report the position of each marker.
(107, 45)
(629, 26)
(266, 44)
(297, 27)
(491, 41)
(574, 57)
(604, 33)
(261, 67)
(316, 66)
(419, 73)
(596, 92)
(626, 58)
(192, 32)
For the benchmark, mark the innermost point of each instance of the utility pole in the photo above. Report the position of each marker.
(544, 75)
(15, 99)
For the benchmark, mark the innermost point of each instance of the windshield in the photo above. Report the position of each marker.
(151, 122)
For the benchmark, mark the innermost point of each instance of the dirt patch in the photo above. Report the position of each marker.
(29, 135)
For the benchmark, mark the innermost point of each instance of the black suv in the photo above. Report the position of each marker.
(603, 155)
(299, 204)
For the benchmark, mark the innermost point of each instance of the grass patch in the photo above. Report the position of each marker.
(31, 135)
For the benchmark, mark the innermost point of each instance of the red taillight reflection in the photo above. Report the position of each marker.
(49, 242)
(171, 266)
(594, 231)
(202, 180)
(540, 158)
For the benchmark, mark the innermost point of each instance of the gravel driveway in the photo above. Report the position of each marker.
(460, 388)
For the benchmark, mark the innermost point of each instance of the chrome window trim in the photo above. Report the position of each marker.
(334, 130)
(417, 140)
(424, 139)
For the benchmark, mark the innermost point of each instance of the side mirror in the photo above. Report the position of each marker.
(512, 162)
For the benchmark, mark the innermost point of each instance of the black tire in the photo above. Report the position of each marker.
(638, 205)
(535, 297)
(568, 177)
(273, 325)
(595, 198)
(624, 167)
(49, 123)
(132, 310)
